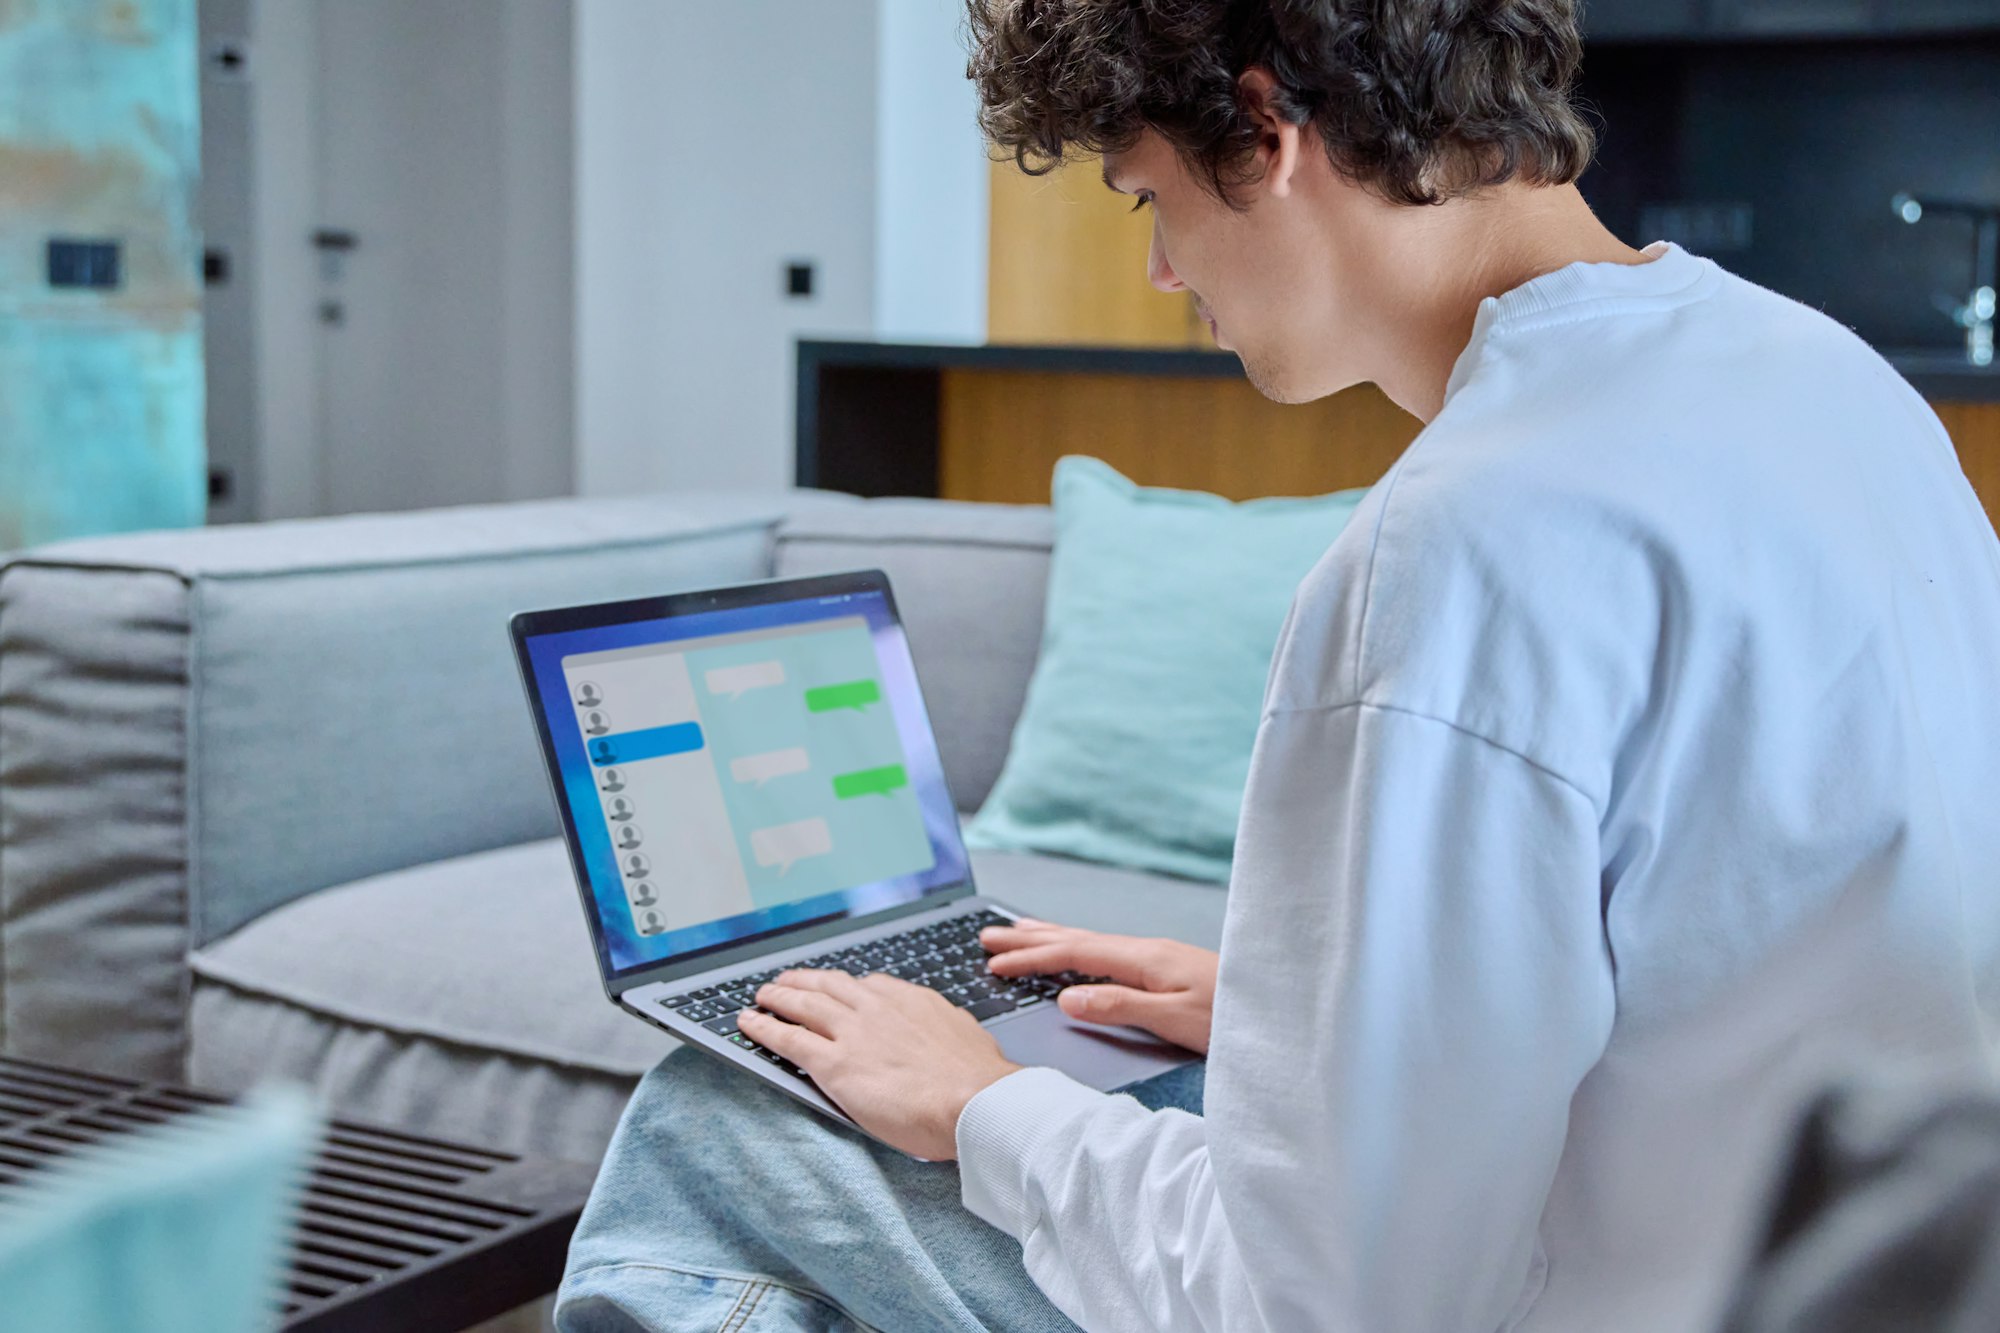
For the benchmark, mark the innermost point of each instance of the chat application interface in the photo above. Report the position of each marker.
(740, 775)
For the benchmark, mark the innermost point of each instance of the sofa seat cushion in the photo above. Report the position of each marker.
(460, 997)
(487, 951)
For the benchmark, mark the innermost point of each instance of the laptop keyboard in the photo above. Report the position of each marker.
(945, 955)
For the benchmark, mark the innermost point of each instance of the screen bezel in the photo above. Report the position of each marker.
(533, 624)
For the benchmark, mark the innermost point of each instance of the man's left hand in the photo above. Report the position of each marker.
(899, 1058)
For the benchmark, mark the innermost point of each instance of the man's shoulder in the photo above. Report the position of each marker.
(1481, 601)
(1508, 581)
(1516, 570)
(1726, 351)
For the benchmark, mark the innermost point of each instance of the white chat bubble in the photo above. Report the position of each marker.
(761, 768)
(738, 681)
(786, 844)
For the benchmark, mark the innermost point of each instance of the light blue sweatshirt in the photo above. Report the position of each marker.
(1629, 765)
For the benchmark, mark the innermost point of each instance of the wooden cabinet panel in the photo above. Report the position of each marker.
(1001, 432)
(1975, 429)
(1066, 263)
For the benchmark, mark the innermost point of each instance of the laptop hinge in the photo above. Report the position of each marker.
(675, 969)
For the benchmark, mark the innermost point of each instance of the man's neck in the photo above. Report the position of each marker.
(1459, 254)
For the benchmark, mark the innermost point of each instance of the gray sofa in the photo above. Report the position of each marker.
(270, 803)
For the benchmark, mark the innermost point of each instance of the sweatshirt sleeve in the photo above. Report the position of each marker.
(1414, 983)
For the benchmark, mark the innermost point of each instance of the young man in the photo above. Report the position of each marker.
(1627, 766)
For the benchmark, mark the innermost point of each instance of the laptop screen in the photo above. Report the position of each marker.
(734, 771)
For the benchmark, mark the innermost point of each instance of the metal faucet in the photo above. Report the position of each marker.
(1976, 315)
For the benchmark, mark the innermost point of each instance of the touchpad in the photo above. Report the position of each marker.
(1099, 1057)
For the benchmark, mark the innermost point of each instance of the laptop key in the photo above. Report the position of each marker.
(991, 1007)
(724, 1025)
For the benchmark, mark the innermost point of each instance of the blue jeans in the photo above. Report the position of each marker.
(724, 1207)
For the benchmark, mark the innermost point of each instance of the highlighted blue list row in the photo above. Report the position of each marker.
(653, 743)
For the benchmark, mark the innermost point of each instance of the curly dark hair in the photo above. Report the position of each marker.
(1421, 100)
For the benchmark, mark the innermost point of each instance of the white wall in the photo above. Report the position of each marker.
(539, 289)
(284, 111)
(228, 308)
(714, 142)
(648, 343)
(932, 177)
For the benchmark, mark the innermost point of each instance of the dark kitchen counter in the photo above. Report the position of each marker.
(1947, 377)
(1940, 375)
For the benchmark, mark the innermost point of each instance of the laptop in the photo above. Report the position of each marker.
(748, 781)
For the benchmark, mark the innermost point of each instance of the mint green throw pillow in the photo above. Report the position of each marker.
(1164, 608)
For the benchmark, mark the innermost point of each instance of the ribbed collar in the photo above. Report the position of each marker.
(1578, 291)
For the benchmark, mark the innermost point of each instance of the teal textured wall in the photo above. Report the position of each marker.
(101, 391)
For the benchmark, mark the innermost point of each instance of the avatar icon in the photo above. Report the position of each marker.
(650, 924)
(636, 866)
(618, 810)
(611, 779)
(629, 837)
(604, 752)
(596, 723)
(588, 695)
(643, 895)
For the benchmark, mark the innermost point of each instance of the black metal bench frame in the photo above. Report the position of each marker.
(395, 1232)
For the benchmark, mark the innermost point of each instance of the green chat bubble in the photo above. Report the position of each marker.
(870, 782)
(855, 694)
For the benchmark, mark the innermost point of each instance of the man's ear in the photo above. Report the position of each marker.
(1279, 140)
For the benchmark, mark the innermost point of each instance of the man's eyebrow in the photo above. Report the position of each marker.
(1110, 184)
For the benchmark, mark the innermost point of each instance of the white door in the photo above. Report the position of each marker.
(441, 251)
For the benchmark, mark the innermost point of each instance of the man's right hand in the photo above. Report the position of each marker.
(1163, 986)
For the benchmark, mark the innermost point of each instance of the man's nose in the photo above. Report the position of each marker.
(1158, 271)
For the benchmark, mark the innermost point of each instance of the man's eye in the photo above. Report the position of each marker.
(1141, 202)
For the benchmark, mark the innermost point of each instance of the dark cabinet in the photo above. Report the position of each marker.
(1791, 18)
(1629, 20)
(1751, 20)
(1916, 17)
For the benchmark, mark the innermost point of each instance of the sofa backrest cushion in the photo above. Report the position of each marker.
(970, 580)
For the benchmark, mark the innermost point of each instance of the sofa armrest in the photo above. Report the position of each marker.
(198, 727)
